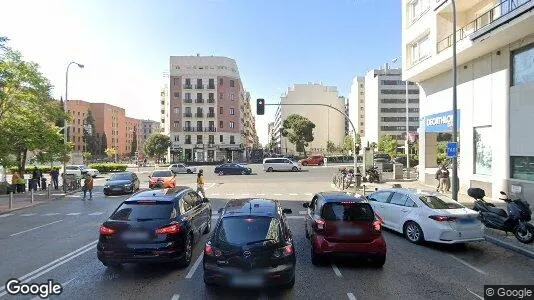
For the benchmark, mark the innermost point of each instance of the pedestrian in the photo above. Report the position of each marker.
(15, 182)
(200, 183)
(54, 174)
(88, 186)
(442, 175)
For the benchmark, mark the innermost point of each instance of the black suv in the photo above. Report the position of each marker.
(251, 246)
(155, 226)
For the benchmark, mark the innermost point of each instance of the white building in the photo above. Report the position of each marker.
(329, 123)
(495, 52)
(385, 105)
(357, 104)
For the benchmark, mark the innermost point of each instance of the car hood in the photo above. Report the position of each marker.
(91, 170)
(118, 182)
(160, 178)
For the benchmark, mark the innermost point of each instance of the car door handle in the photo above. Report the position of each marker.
(404, 210)
(382, 206)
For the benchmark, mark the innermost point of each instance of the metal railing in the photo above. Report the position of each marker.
(188, 115)
(188, 86)
(211, 100)
(186, 100)
(211, 86)
(199, 115)
(493, 14)
(211, 115)
(199, 129)
(199, 100)
(199, 86)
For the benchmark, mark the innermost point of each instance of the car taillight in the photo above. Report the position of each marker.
(319, 224)
(443, 218)
(106, 230)
(283, 252)
(209, 250)
(377, 225)
(171, 229)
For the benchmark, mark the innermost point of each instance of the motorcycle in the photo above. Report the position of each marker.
(371, 175)
(515, 219)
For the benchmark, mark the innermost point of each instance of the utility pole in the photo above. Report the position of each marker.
(454, 105)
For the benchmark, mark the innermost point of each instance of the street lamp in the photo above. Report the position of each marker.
(454, 104)
(65, 109)
(407, 141)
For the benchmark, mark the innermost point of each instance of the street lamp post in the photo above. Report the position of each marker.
(454, 104)
(65, 109)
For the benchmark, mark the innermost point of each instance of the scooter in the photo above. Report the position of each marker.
(515, 219)
(372, 175)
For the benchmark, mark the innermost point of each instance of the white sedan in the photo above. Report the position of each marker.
(182, 168)
(426, 216)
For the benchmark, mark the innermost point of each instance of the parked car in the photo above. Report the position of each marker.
(281, 164)
(426, 216)
(233, 169)
(79, 170)
(155, 226)
(162, 179)
(313, 160)
(251, 246)
(343, 225)
(182, 168)
(121, 183)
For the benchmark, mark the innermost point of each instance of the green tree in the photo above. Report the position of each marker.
(87, 156)
(157, 145)
(299, 131)
(103, 144)
(134, 143)
(330, 147)
(89, 135)
(347, 143)
(388, 144)
(110, 152)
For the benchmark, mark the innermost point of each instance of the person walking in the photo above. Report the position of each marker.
(54, 174)
(200, 183)
(15, 182)
(88, 186)
(442, 175)
(36, 176)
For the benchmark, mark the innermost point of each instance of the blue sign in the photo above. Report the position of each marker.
(452, 149)
(441, 122)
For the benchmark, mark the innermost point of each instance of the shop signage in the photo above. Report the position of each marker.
(441, 122)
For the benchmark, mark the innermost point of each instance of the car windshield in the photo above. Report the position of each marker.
(139, 212)
(162, 174)
(120, 176)
(249, 229)
(439, 202)
(348, 211)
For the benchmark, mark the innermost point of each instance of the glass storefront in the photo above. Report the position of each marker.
(482, 150)
(522, 167)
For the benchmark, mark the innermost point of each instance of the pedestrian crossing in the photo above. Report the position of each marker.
(244, 195)
(97, 213)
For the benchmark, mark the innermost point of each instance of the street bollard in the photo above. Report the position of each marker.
(11, 200)
(31, 196)
(364, 190)
(48, 192)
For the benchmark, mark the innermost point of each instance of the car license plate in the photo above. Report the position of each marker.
(117, 189)
(349, 231)
(247, 281)
(466, 220)
(137, 236)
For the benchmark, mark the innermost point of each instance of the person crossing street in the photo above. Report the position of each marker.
(200, 183)
(88, 186)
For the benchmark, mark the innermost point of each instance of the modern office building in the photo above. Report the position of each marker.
(329, 123)
(495, 55)
(203, 106)
(385, 105)
(357, 104)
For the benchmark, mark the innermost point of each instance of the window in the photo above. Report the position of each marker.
(399, 92)
(232, 139)
(221, 124)
(211, 139)
(133, 211)
(482, 139)
(439, 202)
(243, 230)
(187, 96)
(176, 94)
(186, 203)
(176, 124)
(232, 111)
(232, 97)
(176, 138)
(348, 212)
(419, 50)
(522, 167)
(188, 139)
(221, 110)
(176, 110)
(188, 81)
(232, 83)
(380, 197)
(221, 138)
(220, 81)
(199, 139)
(211, 83)
(232, 124)
(220, 96)
(523, 65)
(398, 199)
(416, 8)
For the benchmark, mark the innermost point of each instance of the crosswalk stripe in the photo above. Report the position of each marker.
(277, 194)
(96, 213)
(27, 215)
(245, 195)
(215, 194)
(308, 194)
(302, 212)
(51, 214)
(260, 194)
(6, 215)
(73, 214)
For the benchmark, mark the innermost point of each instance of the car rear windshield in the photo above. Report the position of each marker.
(123, 176)
(348, 211)
(136, 212)
(249, 229)
(439, 202)
(162, 174)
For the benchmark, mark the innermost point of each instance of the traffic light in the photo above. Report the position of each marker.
(260, 107)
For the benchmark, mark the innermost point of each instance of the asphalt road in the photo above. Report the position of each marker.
(57, 241)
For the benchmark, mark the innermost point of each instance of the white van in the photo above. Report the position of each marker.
(281, 164)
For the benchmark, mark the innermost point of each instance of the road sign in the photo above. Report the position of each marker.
(452, 149)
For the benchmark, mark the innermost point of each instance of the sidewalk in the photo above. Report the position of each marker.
(23, 200)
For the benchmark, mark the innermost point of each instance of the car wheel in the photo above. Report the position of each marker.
(221, 173)
(189, 171)
(188, 253)
(321, 163)
(379, 262)
(290, 284)
(316, 259)
(208, 227)
(413, 232)
(269, 169)
(304, 163)
(106, 194)
(294, 169)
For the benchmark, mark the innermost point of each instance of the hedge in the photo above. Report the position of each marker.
(108, 167)
(29, 169)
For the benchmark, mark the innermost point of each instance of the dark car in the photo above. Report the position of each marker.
(233, 169)
(155, 226)
(251, 246)
(121, 183)
(344, 225)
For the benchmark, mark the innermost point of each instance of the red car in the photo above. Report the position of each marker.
(344, 225)
(313, 160)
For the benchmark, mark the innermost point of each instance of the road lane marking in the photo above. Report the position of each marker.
(468, 265)
(96, 213)
(28, 215)
(475, 294)
(308, 194)
(293, 194)
(175, 297)
(6, 215)
(51, 214)
(245, 195)
(195, 266)
(336, 270)
(215, 194)
(53, 264)
(303, 212)
(277, 194)
(31, 229)
(351, 296)
(73, 214)
(260, 194)
(230, 194)
(295, 217)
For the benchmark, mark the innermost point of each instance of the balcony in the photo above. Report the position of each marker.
(199, 100)
(199, 115)
(188, 142)
(199, 86)
(188, 129)
(211, 100)
(211, 115)
(188, 86)
(188, 100)
(188, 115)
(211, 129)
(211, 86)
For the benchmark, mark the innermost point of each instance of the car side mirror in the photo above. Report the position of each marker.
(306, 205)
(287, 211)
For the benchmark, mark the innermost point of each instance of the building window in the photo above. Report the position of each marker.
(232, 97)
(232, 83)
(221, 138)
(176, 94)
(416, 8)
(211, 139)
(482, 143)
(176, 124)
(522, 167)
(221, 110)
(221, 124)
(176, 138)
(220, 81)
(232, 111)
(176, 110)
(188, 139)
(232, 139)
(199, 139)
(419, 50)
(523, 65)
(232, 124)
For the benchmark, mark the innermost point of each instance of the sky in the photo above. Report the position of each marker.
(125, 45)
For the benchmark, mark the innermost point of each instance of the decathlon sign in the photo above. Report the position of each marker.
(441, 122)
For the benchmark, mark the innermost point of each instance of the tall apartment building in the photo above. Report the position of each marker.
(347, 123)
(385, 105)
(78, 111)
(495, 54)
(203, 109)
(329, 123)
(250, 136)
(146, 129)
(357, 104)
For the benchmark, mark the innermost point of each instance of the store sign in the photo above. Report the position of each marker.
(441, 122)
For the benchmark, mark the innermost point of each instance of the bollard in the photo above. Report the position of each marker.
(48, 192)
(364, 190)
(11, 200)
(31, 195)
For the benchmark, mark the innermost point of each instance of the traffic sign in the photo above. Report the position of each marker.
(452, 149)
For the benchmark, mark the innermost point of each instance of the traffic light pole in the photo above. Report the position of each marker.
(354, 154)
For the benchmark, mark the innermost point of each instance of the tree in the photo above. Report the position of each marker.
(134, 143)
(299, 131)
(348, 143)
(157, 145)
(87, 156)
(89, 135)
(103, 143)
(330, 147)
(110, 152)
(387, 144)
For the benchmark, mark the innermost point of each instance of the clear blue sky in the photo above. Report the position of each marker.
(126, 45)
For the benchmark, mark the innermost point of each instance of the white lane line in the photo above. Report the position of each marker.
(28, 215)
(351, 296)
(31, 229)
(6, 215)
(293, 194)
(245, 195)
(260, 194)
(73, 214)
(277, 194)
(308, 194)
(230, 194)
(175, 297)
(51, 214)
(195, 266)
(336, 270)
(96, 213)
(53, 264)
(295, 217)
(302, 212)
(475, 294)
(214, 194)
(463, 262)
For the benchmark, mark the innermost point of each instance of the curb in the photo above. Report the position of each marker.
(39, 203)
(509, 246)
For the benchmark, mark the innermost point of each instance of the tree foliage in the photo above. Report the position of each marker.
(110, 152)
(134, 143)
(387, 144)
(330, 147)
(157, 145)
(299, 131)
(348, 142)
(89, 135)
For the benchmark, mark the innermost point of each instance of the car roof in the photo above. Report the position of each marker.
(251, 206)
(415, 192)
(160, 195)
(336, 196)
(161, 170)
